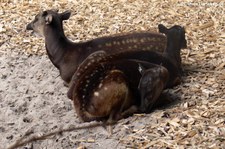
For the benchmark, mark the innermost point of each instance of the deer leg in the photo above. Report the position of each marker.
(133, 109)
(111, 120)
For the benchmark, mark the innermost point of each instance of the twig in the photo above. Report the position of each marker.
(206, 25)
(202, 70)
(22, 141)
(188, 54)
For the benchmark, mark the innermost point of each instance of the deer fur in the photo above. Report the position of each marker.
(104, 87)
(141, 76)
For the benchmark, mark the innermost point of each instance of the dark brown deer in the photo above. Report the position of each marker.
(171, 58)
(104, 87)
(67, 55)
(141, 76)
(175, 42)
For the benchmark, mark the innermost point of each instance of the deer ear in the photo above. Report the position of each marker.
(162, 29)
(65, 15)
(48, 19)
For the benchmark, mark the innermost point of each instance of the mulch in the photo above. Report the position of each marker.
(197, 118)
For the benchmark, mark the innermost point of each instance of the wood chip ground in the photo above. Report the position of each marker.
(33, 99)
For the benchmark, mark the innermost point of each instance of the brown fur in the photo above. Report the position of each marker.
(109, 100)
(93, 87)
(151, 84)
(106, 87)
(144, 73)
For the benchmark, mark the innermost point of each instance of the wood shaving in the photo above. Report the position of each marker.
(195, 120)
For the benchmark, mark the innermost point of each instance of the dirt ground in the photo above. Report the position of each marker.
(33, 99)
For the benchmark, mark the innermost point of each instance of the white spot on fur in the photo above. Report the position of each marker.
(140, 69)
(96, 94)
(86, 85)
(89, 64)
(100, 85)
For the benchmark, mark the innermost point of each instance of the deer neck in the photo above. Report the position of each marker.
(173, 53)
(56, 45)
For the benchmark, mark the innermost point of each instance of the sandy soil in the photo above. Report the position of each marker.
(33, 99)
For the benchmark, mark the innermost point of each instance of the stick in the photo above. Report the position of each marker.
(22, 141)
(202, 70)
(206, 25)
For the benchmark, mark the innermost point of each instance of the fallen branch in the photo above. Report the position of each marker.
(22, 141)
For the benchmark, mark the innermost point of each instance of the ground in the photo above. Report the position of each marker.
(33, 98)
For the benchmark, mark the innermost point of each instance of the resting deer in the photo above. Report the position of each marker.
(110, 86)
(67, 55)
(106, 87)
(171, 58)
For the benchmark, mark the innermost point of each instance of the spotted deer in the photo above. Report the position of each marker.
(120, 84)
(104, 87)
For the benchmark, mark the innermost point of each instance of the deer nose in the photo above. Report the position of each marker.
(29, 27)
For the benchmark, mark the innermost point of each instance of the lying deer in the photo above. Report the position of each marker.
(105, 87)
(67, 55)
(171, 58)
(110, 86)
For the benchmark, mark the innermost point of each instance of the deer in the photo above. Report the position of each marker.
(106, 88)
(171, 56)
(117, 85)
(66, 55)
